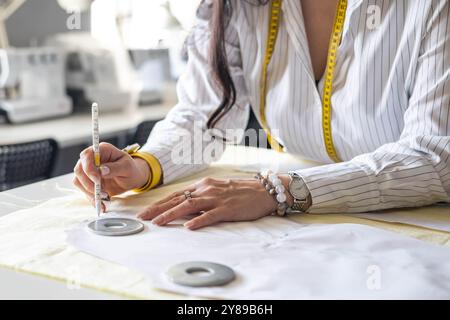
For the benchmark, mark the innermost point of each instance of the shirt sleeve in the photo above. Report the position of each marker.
(415, 170)
(180, 142)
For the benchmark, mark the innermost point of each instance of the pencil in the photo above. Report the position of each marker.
(96, 148)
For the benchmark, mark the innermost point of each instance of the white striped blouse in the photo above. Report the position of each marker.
(390, 102)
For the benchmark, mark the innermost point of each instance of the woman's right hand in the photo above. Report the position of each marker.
(118, 173)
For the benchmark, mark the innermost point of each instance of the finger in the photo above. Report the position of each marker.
(191, 188)
(80, 186)
(92, 201)
(187, 207)
(206, 219)
(156, 209)
(109, 153)
(88, 165)
(120, 168)
(163, 205)
(89, 196)
(87, 183)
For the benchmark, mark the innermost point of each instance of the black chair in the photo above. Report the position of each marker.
(25, 163)
(142, 132)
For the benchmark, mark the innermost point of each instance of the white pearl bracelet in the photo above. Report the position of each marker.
(275, 187)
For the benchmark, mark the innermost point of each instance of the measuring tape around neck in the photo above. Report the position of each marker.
(338, 27)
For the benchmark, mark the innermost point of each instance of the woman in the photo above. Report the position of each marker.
(387, 144)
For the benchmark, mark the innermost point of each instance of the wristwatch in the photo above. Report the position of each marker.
(300, 193)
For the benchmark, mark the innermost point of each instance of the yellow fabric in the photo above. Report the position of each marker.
(33, 240)
(155, 170)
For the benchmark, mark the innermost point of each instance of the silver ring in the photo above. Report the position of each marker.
(187, 194)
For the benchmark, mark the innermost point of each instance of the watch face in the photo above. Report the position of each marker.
(298, 188)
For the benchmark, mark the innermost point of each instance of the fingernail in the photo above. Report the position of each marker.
(140, 215)
(104, 195)
(189, 224)
(105, 170)
(158, 221)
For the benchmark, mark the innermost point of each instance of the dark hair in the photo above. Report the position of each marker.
(221, 13)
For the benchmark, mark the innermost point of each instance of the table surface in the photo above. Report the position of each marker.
(75, 128)
(17, 285)
(66, 131)
(23, 286)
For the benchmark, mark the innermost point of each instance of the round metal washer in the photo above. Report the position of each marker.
(115, 226)
(200, 274)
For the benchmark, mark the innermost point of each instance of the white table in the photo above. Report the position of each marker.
(16, 285)
(67, 131)
(21, 286)
(74, 129)
(73, 133)
(31, 195)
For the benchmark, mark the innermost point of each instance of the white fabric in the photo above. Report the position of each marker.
(253, 160)
(247, 159)
(275, 258)
(34, 240)
(390, 102)
(436, 217)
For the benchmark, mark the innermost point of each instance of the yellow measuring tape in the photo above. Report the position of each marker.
(338, 26)
(274, 21)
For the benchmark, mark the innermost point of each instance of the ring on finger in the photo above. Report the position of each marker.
(187, 194)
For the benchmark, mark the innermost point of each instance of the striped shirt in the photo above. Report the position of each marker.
(390, 102)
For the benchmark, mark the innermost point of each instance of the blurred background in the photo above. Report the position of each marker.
(59, 56)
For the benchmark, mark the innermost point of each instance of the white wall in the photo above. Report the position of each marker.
(37, 19)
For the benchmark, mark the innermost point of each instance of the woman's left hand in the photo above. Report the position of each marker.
(215, 200)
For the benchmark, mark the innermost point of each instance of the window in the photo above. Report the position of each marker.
(142, 24)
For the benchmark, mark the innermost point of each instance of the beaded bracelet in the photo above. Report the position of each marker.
(275, 187)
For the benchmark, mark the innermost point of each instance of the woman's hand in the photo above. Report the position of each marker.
(118, 173)
(215, 200)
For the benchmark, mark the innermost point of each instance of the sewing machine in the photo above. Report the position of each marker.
(152, 67)
(24, 96)
(94, 73)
